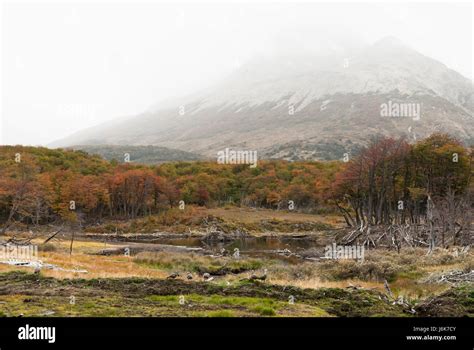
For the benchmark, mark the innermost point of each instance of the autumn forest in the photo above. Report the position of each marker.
(390, 181)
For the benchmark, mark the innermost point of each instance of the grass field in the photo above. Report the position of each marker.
(138, 285)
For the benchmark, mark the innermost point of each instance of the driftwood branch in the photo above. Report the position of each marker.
(52, 236)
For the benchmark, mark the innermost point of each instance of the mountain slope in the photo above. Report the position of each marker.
(306, 106)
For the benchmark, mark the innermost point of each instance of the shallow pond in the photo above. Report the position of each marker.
(255, 246)
(243, 244)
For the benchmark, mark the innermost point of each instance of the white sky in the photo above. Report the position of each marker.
(67, 66)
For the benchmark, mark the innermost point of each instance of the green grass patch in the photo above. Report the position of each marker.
(196, 263)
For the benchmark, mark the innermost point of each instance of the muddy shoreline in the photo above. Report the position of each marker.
(289, 247)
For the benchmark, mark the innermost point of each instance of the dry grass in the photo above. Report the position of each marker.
(250, 215)
(196, 218)
(388, 264)
(315, 283)
(404, 271)
(97, 266)
(81, 259)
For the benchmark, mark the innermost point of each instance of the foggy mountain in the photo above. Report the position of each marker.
(304, 106)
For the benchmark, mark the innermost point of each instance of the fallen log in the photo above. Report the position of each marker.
(52, 236)
(135, 249)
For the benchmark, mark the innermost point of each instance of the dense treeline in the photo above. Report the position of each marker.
(390, 181)
(40, 185)
(425, 185)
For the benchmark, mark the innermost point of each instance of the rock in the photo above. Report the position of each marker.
(48, 313)
(260, 278)
(354, 287)
(173, 275)
(255, 277)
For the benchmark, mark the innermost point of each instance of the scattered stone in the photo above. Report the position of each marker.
(48, 313)
(173, 275)
(255, 277)
(354, 287)
(207, 277)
